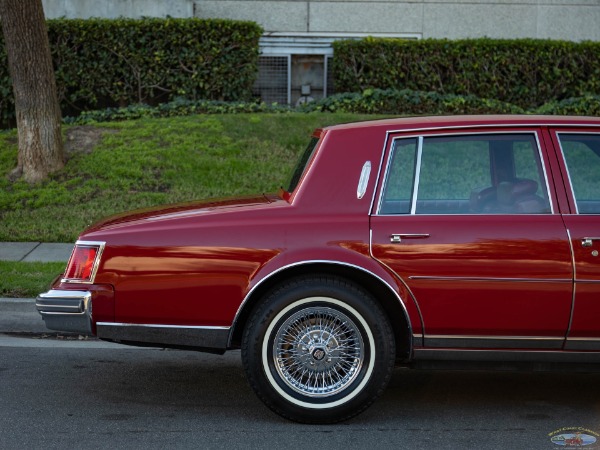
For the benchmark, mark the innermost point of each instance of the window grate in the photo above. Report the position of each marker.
(330, 88)
(273, 82)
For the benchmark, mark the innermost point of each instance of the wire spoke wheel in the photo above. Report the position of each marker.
(318, 351)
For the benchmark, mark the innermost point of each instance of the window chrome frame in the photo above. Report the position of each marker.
(448, 133)
(564, 160)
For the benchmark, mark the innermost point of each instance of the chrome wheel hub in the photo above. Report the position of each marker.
(318, 351)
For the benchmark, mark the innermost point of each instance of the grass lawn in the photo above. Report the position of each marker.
(141, 163)
(27, 279)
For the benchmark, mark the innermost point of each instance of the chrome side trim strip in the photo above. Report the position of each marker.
(207, 337)
(542, 356)
(153, 325)
(492, 342)
(490, 279)
(417, 340)
(301, 263)
(579, 343)
(456, 336)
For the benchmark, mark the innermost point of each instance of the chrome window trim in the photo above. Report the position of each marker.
(494, 125)
(417, 180)
(564, 159)
(316, 261)
(380, 173)
(96, 265)
(421, 139)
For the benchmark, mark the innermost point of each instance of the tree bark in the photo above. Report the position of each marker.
(34, 86)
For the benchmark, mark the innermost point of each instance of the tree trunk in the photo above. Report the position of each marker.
(34, 86)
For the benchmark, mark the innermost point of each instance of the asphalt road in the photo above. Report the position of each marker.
(77, 394)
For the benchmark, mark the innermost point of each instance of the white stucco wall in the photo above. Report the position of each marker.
(548, 19)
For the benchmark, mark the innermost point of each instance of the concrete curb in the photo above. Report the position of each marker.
(19, 315)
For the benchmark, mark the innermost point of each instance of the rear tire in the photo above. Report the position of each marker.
(318, 350)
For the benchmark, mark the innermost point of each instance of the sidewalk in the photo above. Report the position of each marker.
(35, 252)
(19, 315)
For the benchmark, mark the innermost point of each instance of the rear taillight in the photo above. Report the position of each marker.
(84, 262)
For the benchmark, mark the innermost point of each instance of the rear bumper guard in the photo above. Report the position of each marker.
(66, 310)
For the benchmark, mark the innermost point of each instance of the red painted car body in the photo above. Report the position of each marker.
(504, 271)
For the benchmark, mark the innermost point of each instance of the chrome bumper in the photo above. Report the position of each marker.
(66, 310)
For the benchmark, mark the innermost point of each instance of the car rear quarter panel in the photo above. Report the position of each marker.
(198, 270)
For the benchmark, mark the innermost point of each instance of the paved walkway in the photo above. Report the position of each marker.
(35, 252)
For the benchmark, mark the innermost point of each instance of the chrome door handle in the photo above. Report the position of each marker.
(397, 238)
(588, 241)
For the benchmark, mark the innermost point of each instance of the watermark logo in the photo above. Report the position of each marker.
(574, 437)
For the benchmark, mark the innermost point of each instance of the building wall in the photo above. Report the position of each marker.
(547, 19)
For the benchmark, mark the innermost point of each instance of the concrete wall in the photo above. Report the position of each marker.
(548, 19)
(111, 9)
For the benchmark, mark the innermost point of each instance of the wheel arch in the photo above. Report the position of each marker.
(379, 289)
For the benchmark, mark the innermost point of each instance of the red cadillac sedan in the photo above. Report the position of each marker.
(404, 241)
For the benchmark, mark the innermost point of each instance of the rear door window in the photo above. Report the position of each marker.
(466, 174)
(582, 156)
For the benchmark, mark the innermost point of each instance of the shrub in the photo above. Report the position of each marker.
(588, 105)
(102, 62)
(524, 72)
(404, 102)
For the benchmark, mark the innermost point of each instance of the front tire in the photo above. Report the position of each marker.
(318, 350)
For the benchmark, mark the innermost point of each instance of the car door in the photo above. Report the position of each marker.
(579, 158)
(467, 221)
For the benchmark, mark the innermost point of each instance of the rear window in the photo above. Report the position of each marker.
(301, 165)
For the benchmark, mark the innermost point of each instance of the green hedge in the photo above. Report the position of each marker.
(372, 101)
(407, 102)
(588, 105)
(101, 62)
(524, 72)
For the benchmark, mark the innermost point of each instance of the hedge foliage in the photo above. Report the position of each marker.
(524, 72)
(372, 101)
(102, 62)
(406, 101)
